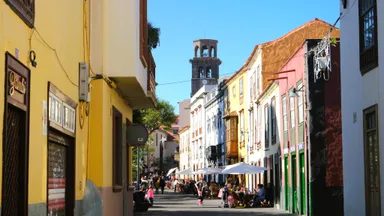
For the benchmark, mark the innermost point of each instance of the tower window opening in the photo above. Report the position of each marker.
(197, 51)
(212, 52)
(201, 72)
(205, 51)
(209, 72)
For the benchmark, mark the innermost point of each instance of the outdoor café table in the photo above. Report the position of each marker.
(244, 198)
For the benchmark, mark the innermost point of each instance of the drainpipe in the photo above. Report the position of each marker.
(308, 130)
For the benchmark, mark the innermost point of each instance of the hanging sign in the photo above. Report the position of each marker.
(137, 135)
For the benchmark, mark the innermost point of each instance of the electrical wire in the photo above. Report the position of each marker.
(56, 55)
(329, 32)
(273, 63)
(349, 9)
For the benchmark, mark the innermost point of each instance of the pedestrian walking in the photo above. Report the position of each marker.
(150, 195)
(200, 196)
(162, 184)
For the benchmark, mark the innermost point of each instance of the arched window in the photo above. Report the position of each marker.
(204, 50)
(212, 51)
(197, 51)
(201, 72)
(209, 72)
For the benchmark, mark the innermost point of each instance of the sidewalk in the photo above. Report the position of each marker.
(170, 203)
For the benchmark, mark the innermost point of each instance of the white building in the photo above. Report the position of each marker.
(184, 113)
(197, 128)
(163, 146)
(266, 151)
(362, 76)
(254, 138)
(215, 128)
(184, 148)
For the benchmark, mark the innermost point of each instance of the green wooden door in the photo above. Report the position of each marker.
(294, 183)
(303, 202)
(286, 183)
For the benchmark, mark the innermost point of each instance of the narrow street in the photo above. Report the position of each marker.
(170, 203)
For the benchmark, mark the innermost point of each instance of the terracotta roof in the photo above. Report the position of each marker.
(241, 70)
(276, 53)
(170, 135)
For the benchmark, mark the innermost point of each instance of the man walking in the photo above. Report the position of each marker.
(162, 184)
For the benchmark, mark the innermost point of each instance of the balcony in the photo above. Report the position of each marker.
(258, 146)
(231, 122)
(119, 49)
(251, 149)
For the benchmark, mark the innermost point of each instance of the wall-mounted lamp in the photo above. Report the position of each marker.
(294, 91)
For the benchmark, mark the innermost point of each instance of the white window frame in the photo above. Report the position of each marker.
(285, 116)
(300, 103)
(69, 118)
(292, 111)
(266, 124)
(259, 124)
(258, 81)
(242, 126)
(55, 109)
(241, 87)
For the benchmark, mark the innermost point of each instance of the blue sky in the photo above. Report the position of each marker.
(237, 25)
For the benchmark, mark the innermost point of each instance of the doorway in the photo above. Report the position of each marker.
(286, 183)
(61, 154)
(294, 183)
(303, 201)
(61, 175)
(277, 179)
(271, 180)
(15, 138)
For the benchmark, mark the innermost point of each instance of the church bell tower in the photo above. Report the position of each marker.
(205, 64)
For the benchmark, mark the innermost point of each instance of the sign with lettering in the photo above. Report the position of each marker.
(17, 82)
(17, 86)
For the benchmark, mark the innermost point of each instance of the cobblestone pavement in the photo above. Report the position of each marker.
(172, 204)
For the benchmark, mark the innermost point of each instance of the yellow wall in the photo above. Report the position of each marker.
(60, 25)
(237, 107)
(100, 160)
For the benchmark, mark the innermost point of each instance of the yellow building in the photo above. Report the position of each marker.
(236, 117)
(52, 162)
(123, 72)
(43, 145)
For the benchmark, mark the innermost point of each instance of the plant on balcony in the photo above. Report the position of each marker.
(153, 36)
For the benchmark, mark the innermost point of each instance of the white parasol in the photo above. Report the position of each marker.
(185, 172)
(171, 171)
(243, 168)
